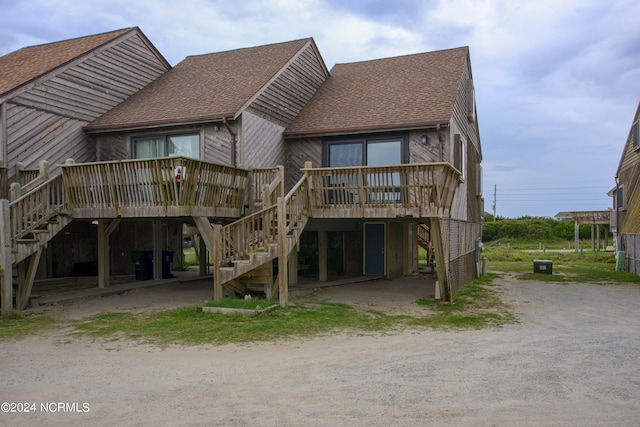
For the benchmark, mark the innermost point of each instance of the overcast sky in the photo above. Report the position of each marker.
(557, 81)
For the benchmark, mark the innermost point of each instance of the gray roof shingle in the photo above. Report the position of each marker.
(391, 93)
(27, 64)
(201, 88)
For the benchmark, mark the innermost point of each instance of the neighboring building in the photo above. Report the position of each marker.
(376, 158)
(625, 216)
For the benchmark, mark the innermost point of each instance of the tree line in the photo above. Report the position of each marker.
(531, 229)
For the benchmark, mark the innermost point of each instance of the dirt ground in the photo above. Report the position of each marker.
(572, 360)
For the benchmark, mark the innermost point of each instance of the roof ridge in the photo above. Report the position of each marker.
(251, 47)
(123, 30)
(405, 55)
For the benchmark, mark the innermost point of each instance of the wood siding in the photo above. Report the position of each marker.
(288, 94)
(45, 122)
(33, 136)
(112, 146)
(216, 145)
(469, 204)
(299, 151)
(629, 179)
(262, 144)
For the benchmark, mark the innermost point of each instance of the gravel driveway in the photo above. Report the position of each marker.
(573, 360)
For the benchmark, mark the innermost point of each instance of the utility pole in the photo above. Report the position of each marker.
(495, 187)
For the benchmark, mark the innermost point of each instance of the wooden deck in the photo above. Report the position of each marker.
(415, 190)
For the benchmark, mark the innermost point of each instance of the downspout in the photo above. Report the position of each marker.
(441, 141)
(234, 141)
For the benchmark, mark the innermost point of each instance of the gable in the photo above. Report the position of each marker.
(26, 65)
(630, 153)
(202, 88)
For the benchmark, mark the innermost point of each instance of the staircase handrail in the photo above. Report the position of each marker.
(257, 230)
(297, 203)
(34, 209)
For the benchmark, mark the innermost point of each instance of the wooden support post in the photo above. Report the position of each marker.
(323, 243)
(216, 246)
(441, 266)
(157, 249)
(210, 240)
(103, 256)
(6, 284)
(293, 266)
(43, 169)
(15, 190)
(25, 285)
(283, 275)
(104, 269)
(576, 234)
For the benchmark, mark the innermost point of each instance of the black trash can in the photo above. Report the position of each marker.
(141, 265)
(167, 260)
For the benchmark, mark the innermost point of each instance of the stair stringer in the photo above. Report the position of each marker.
(40, 238)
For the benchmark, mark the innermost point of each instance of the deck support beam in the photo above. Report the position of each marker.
(283, 274)
(441, 264)
(211, 238)
(104, 268)
(323, 243)
(6, 284)
(25, 284)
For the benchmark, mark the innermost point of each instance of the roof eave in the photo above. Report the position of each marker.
(122, 127)
(368, 129)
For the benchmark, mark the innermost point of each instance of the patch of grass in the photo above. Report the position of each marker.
(19, 326)
(592, 267)
(476, 306)
(191, 326)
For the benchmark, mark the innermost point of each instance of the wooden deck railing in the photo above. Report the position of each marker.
(419, 190)
(267, 184)
(171, 186)
(256, 231)
(33, 210)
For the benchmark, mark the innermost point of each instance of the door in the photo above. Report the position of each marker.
(374, 248)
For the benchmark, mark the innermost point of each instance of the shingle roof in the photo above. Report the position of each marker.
(201, 88)
(401, 92)
(27, 64)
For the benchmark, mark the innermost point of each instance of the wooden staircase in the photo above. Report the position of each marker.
(36, 217)
(425, 242)
(251, 242)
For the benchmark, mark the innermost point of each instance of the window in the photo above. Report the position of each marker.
(459, 154)
(167, 145)
(634, 135)
(368, 150)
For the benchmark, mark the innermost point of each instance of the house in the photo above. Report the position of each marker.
(377, 129)
(269, 156)
(625, 216)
